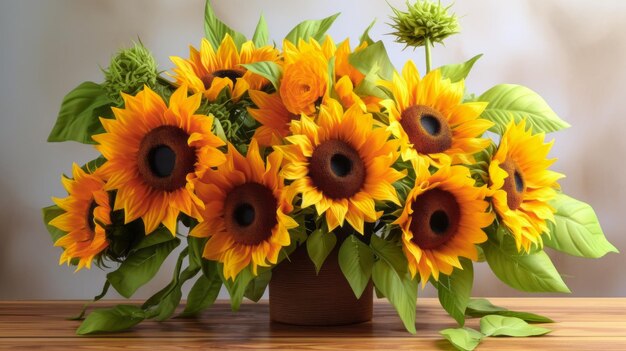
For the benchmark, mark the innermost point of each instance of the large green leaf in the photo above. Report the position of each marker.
(256, 288)
(261, 36)
(390, 252)
(373, 59)
(365, 37)
(494, 325)
(315, 29)
(459, 71)
(576, 230)
(454, 291)
(526, 272)
(464, 339)
(140, 267)
(482, 307)
(157, 237)
(269, 70)
(111, 319)
(79, 117)
(356, 260)
(509, 101)
(50, 213)
(202, 295)
(237, 287)
(215, 30)
(319, 245)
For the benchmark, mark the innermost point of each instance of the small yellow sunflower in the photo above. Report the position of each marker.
(154, 154)
(87, 213)
(522, 185)
(273, 116)
(246, 215)
(442, 220)
(429, 118)
(208, 71)
(341, 164)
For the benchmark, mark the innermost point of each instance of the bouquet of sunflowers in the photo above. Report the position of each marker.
(245, 153)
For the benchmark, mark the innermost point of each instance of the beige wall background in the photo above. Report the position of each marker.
(572, 52)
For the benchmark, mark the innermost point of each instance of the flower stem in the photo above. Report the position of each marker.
(427, 50)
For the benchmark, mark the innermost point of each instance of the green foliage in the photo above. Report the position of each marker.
(482, 307)
(319, 245)
(494, 325)
(525, 272)
(424, 22)
(215, 30)
(373, 59)
(129, 71)
(356, 260)
(460, 71)
(79, 115)
(256, 288)
(111, 319)
(315, 29)
(237, 287)
(576, 230)
(269, 70)
(50, 213)
(514, 102)
(202, 294)
(464, 339)
(261, 36)
(365, 37)
(454, 290)
(390, 252)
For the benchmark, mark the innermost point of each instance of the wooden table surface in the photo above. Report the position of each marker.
(582, 324)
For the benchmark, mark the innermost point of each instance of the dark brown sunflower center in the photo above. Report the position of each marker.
(435, 219)
(223, 73)
(427, 129)
(514, 184)
(165, 158)
(90, 216)
(250, 213)
(337, 169)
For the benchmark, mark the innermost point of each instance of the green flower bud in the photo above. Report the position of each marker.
(129, 71)
(424, 22)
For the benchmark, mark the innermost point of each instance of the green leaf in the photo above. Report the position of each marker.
(157, 237)
(256, 288)
(356, 260)
(315, 29)
(50, 213)
(269, 70)
(454, 290)
(215, 30)
(168, 304)
(389, 252)
(79, 117)
(94, 164)
(494, 325)
(140, 267)
(482, 307)
(526, 272)
(576, 230)
(459, 71)
(365, 37)
(400, 290)
(373, 59)
(319, 245)
(236, 288)
(465, 339)
(261, 36)
(202, 295)
(113, 319)
(509, 101)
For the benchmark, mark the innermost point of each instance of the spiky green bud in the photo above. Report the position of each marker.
(129, 71)
(424, 22)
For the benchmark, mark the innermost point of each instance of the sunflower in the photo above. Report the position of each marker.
(87, 213)
(273, 116)
(429, 118)
(209, 71)
(246, 216)
(522, 185)
(442, 220)
(341, 164)
(154, 154)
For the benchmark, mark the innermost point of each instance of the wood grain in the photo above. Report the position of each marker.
(582, 324)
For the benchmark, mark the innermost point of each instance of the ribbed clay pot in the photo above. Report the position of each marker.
(299, 296)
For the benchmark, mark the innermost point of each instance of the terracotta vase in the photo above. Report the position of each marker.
(299, 296)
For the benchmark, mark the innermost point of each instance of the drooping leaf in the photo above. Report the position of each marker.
(464, 339)
(454, 291)
(269, 70)
(459, 71)
(365, 37)
(509, 101)
(159, 236)
(319, 245)
(373, 59)
(50, 213)
(261, 36)
(495, 325)
(111, 319)
(356, 260)
(576, 230)
(202, 295)
(79, 116)
(170, 302)
(390, 252)
(482, 307)
(315, 29)
(525, 272)
(215, 30)
(237, 287)
(256, 288)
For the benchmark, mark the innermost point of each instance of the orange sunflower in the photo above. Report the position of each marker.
(87, 213)
(341, 164)
(429, 118)
(209, 71)
(246, 216)
(442, 220)
(522, 185)
(154, 153)
(273, 116)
